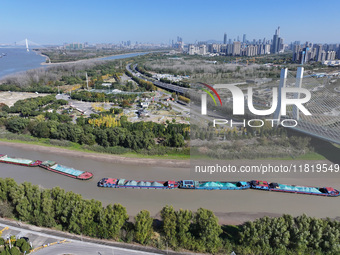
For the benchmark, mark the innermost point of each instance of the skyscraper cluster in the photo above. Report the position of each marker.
(314, 52)
(238, 48)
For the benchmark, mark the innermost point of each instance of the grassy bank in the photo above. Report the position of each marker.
(77, 147)
(24, 139)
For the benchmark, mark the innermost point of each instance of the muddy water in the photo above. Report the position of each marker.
(222, 202)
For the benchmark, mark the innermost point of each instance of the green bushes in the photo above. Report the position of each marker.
(143, 227)
(39, 89)
(304, 235)
(16, 247)
(100, 97)
(184, 99)
(199, 232)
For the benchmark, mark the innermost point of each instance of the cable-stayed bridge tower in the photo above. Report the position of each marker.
(27, 49)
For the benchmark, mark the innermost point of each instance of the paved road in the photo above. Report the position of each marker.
(81, 248)
(71, 246)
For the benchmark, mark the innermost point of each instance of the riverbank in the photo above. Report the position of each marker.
(90, 59)
(102, 157)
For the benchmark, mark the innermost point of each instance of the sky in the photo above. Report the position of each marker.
(158, 21)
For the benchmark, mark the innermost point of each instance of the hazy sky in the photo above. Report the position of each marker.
(59, 21)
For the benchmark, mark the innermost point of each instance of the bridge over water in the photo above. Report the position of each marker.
(324, 105)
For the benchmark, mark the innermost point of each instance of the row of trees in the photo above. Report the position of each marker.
(147, 85)
(70, 212)
(304, 235)
(40, 89)
(135, 136)
(183, 229)
(198, 231)
(101, 97)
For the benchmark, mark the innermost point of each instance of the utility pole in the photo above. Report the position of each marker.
(87, 81)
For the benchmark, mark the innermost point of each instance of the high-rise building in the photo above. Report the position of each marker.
(330, 55)
(323, 56)
(267, 49)
(318, 52)
(203, 49)
(296, 52)
(229, 49)
(225, 38)
(251, 50)
(236, 48)
(244, 38)
(277, 43)
(192, 49)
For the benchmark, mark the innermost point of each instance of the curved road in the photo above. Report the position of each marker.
(82, 248)
(42, 236)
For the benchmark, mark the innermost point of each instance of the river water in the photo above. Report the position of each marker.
(19, 60)
(237, 202)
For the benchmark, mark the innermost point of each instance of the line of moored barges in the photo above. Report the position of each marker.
(171, 184)
(217, 185)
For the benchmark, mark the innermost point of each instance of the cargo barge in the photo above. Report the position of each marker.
(213, 185)
(136, 184)
(67, 171)
(19, 161)
(323, 191)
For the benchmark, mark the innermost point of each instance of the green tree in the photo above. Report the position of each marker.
(16, 124)
(176, 140)
(115, 217)
(143, 227)
(184, 221)
(14, 251)
(169, 225)
(207, 230)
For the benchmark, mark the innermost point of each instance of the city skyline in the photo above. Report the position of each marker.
(161, 22)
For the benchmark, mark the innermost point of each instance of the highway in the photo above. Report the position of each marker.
(162, 85)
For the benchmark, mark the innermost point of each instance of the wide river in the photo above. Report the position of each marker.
(236, 203)
(17, 60)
